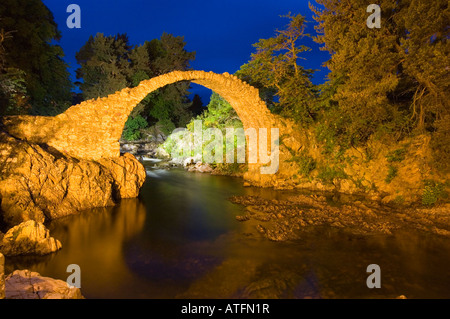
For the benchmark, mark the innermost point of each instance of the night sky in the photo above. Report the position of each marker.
(221, 32)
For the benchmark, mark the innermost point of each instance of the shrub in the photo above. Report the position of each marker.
(328, 174)
(433, 192)
(392, 172)
(132, 128)
(396, 156)
(306, 164)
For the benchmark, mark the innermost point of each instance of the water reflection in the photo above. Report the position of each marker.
(93, 240)
(180, 239)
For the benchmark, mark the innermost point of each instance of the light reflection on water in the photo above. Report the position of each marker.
(180, 239)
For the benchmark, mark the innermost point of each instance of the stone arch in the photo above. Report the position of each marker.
(92, 129)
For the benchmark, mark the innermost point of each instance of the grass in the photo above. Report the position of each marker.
(433, 192)
(392, 172)
(396, 156)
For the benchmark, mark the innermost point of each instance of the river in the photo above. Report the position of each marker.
(181, 239)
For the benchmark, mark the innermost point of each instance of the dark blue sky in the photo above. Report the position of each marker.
(221, 32)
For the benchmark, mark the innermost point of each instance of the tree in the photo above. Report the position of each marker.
(110, 63)
(275, 69)
(392, 79)
(13, 92)
(105, 65)
(31, 60)
(196, 107)
(169, 106)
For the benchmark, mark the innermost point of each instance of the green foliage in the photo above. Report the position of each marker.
(305, 163)
(440, 144)
(34, 78)
(13, 92)
(327, 174)
(396, 155)
(392, 173)
(230, 168)
(133, 128)
(433, 192)
(218, 114)
(105, 65)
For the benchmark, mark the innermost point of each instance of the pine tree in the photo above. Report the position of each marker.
(274, 68)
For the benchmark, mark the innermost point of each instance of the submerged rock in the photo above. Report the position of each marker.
(25, 284)
(29, 238)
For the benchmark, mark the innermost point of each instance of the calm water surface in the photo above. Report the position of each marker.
(180, 239)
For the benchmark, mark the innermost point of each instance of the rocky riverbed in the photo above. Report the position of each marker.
(287, 219)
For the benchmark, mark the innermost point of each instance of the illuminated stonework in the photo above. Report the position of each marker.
(91, 130)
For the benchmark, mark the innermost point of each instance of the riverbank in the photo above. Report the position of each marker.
(359, 214)
(281, 220)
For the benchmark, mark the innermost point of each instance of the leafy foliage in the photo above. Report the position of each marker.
(396, 155)
(433, 192)
(306, 163)
(392, 173)
(132, 128)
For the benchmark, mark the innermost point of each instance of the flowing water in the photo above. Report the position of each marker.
(180, 239)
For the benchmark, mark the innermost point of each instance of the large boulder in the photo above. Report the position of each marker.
(25, 284)
(28, 238)
(128, 175)
(39, 183)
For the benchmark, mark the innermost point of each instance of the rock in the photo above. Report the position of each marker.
(25, 284)
(388, 199)
(29, 238)
(38, 183)
(188, 161)
(160, 138)
(161, 153)
(2, 276)
(127, 173)
(201, 168)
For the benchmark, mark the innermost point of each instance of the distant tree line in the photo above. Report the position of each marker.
(35, 80)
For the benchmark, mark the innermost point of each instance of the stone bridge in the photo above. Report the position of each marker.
(91, 130)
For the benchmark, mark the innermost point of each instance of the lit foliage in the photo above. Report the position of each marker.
(218, 114)
(392, 79)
